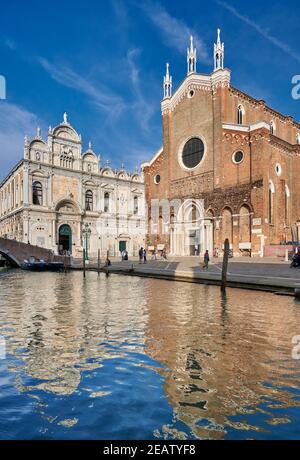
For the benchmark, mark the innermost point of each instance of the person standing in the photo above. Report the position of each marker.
(145, 256)
(141, 255)
(206, 260)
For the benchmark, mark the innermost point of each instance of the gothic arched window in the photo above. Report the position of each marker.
(240, 114)
(88, 200)
(272, 127)
(66, 159)
(194, 213)
(135, 205)
(106, 202)
(37, 193)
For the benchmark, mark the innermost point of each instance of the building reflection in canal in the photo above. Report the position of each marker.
(220, 364)
(227, 355)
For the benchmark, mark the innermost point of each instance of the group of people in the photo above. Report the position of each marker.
(163, 255)
(143, 255)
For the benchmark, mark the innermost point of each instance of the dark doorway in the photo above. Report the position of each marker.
(122, 246)
(65, 240)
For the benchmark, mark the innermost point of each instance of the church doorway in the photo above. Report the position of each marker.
(65, 240)
(194, 242)
(122, 246)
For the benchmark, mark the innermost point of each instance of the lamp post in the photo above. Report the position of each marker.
(86, 232)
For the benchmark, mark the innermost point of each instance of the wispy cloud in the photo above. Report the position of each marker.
(144, 107)
(120, 12)
(9, 43)
(100, 95)
(263, 32)
(15, 122)
(175, 31)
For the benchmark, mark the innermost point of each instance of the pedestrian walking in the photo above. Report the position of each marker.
(163, 254)
(154, 255)
(141, 254)
(206, 260)
(145, 256)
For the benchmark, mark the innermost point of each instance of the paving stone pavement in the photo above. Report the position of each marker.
(268, 271)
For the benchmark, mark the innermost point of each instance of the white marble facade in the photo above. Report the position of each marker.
(63, 199)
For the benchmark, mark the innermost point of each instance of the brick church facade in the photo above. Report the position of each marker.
(229, 168)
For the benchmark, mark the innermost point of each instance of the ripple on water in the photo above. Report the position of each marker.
(131, 358)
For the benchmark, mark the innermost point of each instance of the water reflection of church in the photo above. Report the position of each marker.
(61, 198)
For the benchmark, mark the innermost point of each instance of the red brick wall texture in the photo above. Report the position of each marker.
(228, 188)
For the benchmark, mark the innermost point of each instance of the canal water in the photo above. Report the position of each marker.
(133, 358)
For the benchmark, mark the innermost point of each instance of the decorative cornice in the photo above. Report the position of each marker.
(285, 147)
(196, 81)
(261, 103)
(246, 128)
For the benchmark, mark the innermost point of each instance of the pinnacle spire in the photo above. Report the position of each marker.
(167, 83)
(192, 44)
(191, 57)
(218, 53)
(219, 39)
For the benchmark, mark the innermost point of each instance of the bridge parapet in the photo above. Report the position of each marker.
(17, 252)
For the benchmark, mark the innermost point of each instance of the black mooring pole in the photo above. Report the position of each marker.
(84, 263)
(225, 265)
(98, 262)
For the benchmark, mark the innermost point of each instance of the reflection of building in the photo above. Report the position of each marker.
(230, 150)
(57, 191)
(220, 358)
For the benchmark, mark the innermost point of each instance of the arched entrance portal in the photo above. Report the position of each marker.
(188, 233)
(65, 240)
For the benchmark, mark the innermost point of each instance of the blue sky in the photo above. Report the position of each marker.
(103, 62)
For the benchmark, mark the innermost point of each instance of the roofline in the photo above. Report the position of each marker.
(149, 163)
(266, 106)
(12, 171)
(201, 74)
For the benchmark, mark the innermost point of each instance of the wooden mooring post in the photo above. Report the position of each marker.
(65, 264)
(83, 263)
(98, 262)
(225, 265)
(107, 260)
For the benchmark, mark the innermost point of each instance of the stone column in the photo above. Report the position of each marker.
(54, 245)
(26, 185)
(49, 194)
